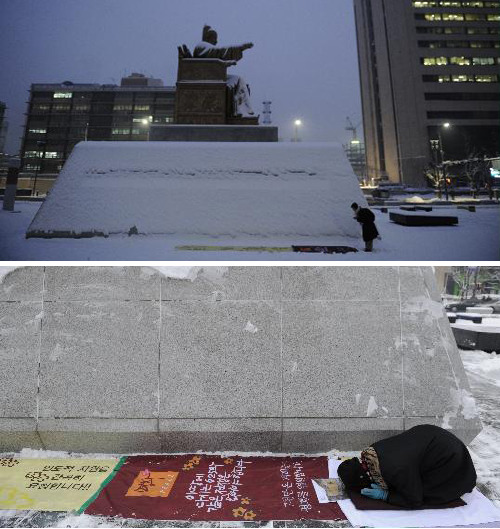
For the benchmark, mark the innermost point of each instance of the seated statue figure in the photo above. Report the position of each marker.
(208, 49)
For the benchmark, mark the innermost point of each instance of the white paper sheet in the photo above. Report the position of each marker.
(478, 510)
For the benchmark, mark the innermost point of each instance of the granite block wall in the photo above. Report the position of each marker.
(286, 359)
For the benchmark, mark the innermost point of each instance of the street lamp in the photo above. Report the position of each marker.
(297, 124)
(445, 126)
(146, 122)
(437, 147)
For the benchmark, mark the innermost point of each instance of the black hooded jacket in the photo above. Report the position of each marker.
(425, 465)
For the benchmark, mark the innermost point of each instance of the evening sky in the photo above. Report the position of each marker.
(304, 59)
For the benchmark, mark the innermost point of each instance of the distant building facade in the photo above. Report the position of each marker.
(355, 151)
(61, 115)
(423, 64)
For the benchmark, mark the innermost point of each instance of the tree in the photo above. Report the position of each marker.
(435, 176)
(474, 169)
(463, 277)
(470, 278)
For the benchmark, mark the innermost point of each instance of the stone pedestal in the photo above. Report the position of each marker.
(224, 133)
(287, 359)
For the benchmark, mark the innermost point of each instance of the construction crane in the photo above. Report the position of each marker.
(352, 128)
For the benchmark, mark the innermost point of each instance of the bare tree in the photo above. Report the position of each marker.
(462, 275)
(474, 170)
(435, 176)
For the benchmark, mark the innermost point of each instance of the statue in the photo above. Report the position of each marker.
(208, 49)
(206, 94)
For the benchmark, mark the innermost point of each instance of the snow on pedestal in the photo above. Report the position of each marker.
(195, 188)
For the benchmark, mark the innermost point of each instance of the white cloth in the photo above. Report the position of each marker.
(479, 510)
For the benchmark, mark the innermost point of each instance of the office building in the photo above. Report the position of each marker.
(61, 115)
(424, 64)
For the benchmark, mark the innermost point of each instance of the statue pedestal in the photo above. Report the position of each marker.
(223, 133)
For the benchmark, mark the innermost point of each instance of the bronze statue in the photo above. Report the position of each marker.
(208, 49)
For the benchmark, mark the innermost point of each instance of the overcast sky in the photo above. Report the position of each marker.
(304, 59)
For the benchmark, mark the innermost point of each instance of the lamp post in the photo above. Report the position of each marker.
(146, 122)
(441, 151)
(40, 145)
(297, 124)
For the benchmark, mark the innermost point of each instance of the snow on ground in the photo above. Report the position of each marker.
(488, 324)
(200, 188)
(483, 371)
(476, 238)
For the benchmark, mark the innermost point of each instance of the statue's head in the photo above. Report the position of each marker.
(209, 35)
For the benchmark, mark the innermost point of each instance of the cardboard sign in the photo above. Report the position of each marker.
(212, 487)
(51, 484)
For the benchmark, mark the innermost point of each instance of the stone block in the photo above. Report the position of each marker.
(214, 283)
(428, 350)
(465, 430)
(18, 434)
(341, 359)
(356, 283)
(406, 219)
(19, 352)
(113, 436)
(246, 435)
(22, 284)
(101, 283)
(472, 339)
(100, 359)
(322, 435)
(224, 133)
(220, 359)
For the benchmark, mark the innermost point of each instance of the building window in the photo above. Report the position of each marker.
(32, 167)
(141, 107)
(38, 131)
(462, 78)
(41, 108)
(63, 95)
(53, 154)
(120, 131)
(122, 108)
(460, 61)
(434, 61)
(33, 154)
(486, 78)
(453, 16)
(493, 18)
(60, 107)
(484, 61)
(77, 109)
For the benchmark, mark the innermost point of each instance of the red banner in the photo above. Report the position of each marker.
(205, 487)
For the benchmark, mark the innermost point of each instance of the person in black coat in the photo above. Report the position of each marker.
(423, 466)
(367, 220)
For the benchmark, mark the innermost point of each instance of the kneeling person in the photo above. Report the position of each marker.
(425, 465)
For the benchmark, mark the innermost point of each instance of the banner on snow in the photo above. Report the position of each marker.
(51, 484)
(213, 487)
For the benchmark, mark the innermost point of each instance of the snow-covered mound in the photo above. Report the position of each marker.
(202, 189)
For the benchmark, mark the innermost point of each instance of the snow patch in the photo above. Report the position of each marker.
(250, 327)
(461, 403)
(6, 270)
(372, 406)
